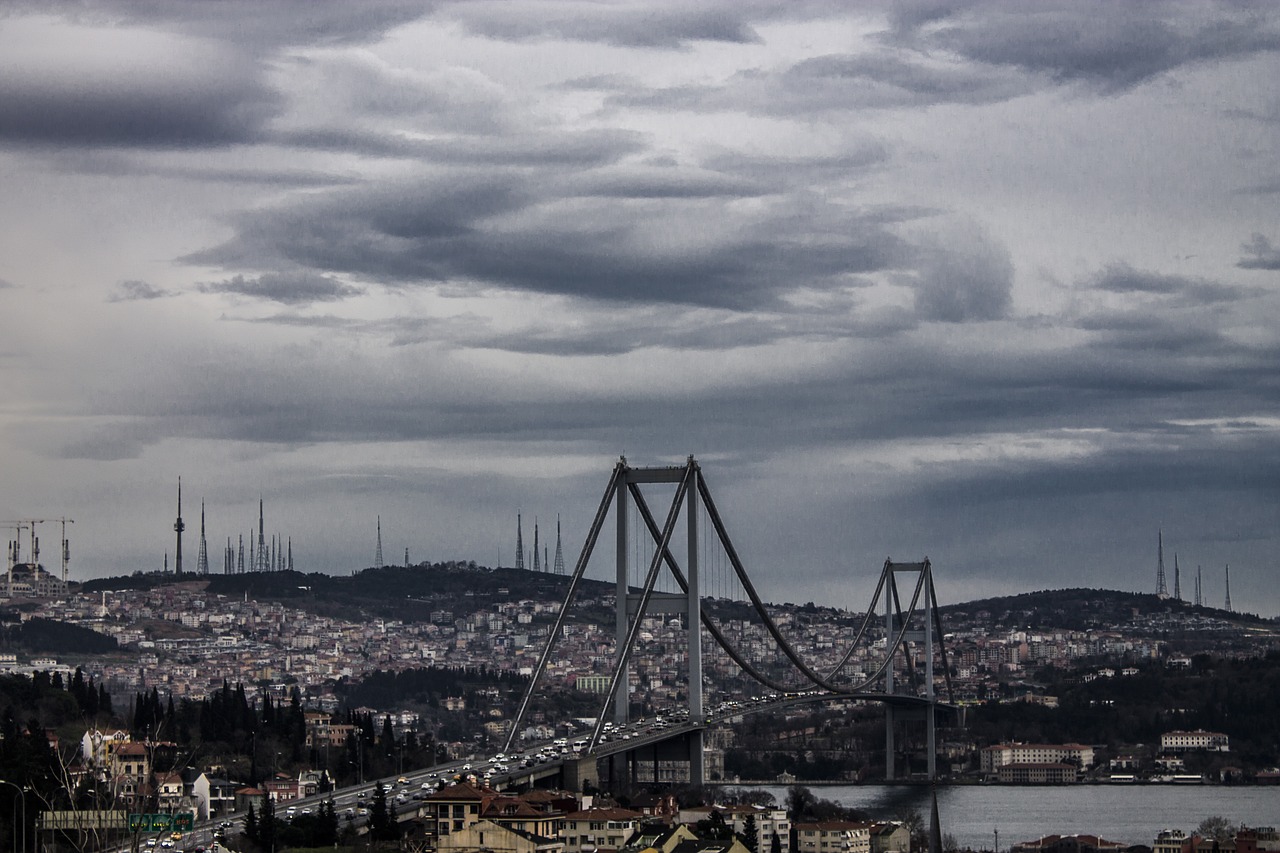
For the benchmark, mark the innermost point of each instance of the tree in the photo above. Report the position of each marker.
(751, 834)
(1216, 827)
(382, 820)
(775, 843)
(251, 824)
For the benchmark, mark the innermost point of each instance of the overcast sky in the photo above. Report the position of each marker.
(995, 283)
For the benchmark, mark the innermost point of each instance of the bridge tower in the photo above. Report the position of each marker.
(632, 607)
(927, 634)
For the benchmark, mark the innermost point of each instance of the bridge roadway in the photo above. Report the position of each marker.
(535, 762)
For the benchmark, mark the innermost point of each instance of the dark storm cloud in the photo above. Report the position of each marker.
(1261, 255)
(290, 288)
(130, 291)
(642, 241)
(1106, 45)
(646, 25)
(216, 101)
(5, 284)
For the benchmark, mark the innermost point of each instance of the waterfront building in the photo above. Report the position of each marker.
(1197, 740)
(1032, 773)
(995, 757)
(1068, 844)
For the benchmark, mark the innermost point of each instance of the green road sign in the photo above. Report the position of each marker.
(181, 822)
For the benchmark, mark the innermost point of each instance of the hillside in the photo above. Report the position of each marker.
(1082, 609)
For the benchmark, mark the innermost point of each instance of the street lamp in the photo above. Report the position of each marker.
(22, 792)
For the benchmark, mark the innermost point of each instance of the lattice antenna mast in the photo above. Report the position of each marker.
(1199, 589)
(240, 558)
(290, 553)
(537, 558)
(1177, 578)
(1162, 591)
(178, 527)
(202, 561)
(1227, 606)
(559, 564)
(377, 555)
(261, 564)
(519, 544)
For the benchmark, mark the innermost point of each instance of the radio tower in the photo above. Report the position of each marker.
(1227, 606)
(290, 553)
(559, 564)
(1199, 589)
(240, 557)
(537, 562)
(519, 544)
(1162, 591)
(202, 561)
(178, 527)
(228, 559)
(377, 555)
(261, 564)
(1177, 578)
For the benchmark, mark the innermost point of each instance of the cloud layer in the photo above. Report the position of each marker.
(963, 279)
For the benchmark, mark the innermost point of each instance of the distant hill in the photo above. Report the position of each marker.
(1084, 608)
(411, 593)
(406, 593)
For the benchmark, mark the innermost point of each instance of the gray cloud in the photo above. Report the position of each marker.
(628, 240)
(964, 276)
(131, 291)
(1122, 278)
(1107, 46)
(1261, 255)
(650, 25)
(115, 97)
(290, 288)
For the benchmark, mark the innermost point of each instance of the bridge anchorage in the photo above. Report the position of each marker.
(890, 660)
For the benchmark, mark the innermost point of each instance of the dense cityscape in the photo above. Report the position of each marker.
(201, 698)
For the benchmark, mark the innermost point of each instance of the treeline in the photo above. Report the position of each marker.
(50, 636)
(427, 686)
(1236, 697)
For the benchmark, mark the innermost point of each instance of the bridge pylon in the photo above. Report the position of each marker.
(900, 632)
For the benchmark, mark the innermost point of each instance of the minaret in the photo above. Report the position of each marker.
(178, 527)
(537, 559)
(559, 564)
(377, 555)
(261, 564)
(519, 544)
(1227, 606)
(1177, 578)
(1162, 591)
(202, 560)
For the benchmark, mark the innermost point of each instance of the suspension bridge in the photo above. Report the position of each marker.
(892, 659)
